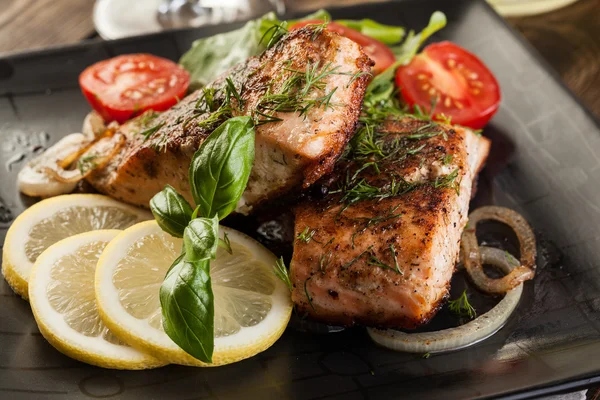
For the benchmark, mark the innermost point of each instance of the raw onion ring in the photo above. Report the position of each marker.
(465, 335)
(472, 257)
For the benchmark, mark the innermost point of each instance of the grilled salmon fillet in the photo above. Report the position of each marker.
(381, 247)
(305, 95)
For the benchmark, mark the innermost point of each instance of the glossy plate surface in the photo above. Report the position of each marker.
(545, 163)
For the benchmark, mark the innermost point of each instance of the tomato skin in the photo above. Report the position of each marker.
(377, 51)
(465, 88)
(123, 87)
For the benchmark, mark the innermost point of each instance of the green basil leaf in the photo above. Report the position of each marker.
(200, 239)
(188, 308)
(387, 34)
(171, 210)
(220, 168)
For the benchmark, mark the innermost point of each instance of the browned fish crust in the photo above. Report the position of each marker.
(293, 152)
(387, 261)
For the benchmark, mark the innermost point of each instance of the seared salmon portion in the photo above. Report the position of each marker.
(305, 95)
(381, 247)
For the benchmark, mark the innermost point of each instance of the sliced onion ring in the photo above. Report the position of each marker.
(98, 154)
(472, 257)
(465, 335)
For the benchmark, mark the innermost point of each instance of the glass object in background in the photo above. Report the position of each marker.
(517, 8)
(115, 19)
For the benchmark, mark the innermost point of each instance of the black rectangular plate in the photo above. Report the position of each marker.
(551, 175)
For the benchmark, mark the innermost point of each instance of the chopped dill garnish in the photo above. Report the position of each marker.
(225, 243)
(324, 261)
(355, 259)
(462, 307)
(149, 132)
(232, 91)
(373, 260)
(448, 181)
(301, 92)
(370, 221)
(147, 117)
(306, 235)
(86, 163)
(307, 295)
(277, 31)
(447, 159)
(281, 272)
(354, 192)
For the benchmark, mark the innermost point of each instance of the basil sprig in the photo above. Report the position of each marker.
(220, 168)
(171, 210)
(218, 176)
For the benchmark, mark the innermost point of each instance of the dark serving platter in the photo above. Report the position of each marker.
(545, 163)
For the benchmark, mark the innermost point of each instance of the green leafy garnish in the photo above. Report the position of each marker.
(281, 272)
(87, 163)
(171, 210)
(210, 57)
(225, 243)
(220, 168)
(462, 307)
(150, 131)
(387, 34)
(306, 235)
(200, 239)
(218, 176)
(188, 308)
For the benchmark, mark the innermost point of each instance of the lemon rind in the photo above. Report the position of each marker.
(15, 264)
(154, 343)
(64, 343)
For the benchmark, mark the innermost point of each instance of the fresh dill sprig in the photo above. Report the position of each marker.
(281, 272)
(462, 307)
(447, 159)
(306, 235)
(448, 181)
(149, 132)
(276, 32)
(371, 221)
(308, 295)
(324, 261)
(299, 93)
(87, 163)
(225, 243)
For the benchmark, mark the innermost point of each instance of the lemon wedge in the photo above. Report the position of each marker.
(51, 220)
(252, 306)
(61, 292)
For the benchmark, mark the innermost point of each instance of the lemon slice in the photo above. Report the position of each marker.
(51, 220)
(61, 292)
(252, 306)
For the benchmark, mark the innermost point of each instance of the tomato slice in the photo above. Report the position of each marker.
(125, 86)
(376, 50)
(460, 84)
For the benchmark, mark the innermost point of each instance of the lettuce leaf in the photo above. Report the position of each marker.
(210, 57)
